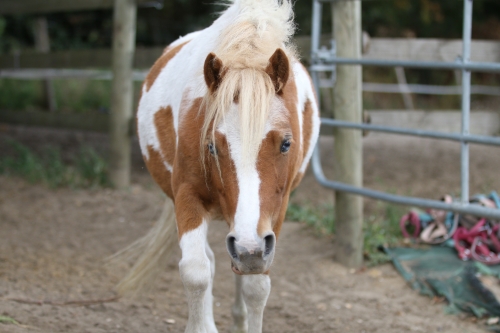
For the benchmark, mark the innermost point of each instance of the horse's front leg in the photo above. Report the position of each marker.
(255, 290)
(195, 267)
(239, 310)
(209, 300)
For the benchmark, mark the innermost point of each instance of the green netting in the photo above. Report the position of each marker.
(437, 271)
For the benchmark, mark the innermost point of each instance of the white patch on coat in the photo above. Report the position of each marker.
(181, 40)
(305, 93)
(247, 214)
(183, 73)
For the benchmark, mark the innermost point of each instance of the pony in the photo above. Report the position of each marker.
(227, 122)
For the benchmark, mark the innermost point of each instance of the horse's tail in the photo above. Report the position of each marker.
(150, 253)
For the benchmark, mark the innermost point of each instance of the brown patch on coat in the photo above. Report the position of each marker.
(198, 190)
(307, 127)
(158, 171)
(188, 181)
(278, 171)
(226, 189)
(297, 180)
(190, 210)
(161, 63)
(164, 123)
(273, 169)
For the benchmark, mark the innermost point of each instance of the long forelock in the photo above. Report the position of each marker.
(254, 90)
(244, 47)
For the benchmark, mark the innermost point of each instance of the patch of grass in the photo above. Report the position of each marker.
(320, 218)
(82, 95)
(8, 320)
(92, 168)
(19, 95)
(380, 229)
(88, 169)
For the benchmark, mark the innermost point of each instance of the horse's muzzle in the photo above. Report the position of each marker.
(251, 257)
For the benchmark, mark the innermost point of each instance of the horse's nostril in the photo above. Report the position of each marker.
(269, 241)
(231, 248)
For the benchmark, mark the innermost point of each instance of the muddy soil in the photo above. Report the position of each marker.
(53, 244)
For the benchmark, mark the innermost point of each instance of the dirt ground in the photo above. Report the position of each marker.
(53, 242)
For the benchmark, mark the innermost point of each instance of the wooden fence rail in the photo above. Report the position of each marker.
(75, 59)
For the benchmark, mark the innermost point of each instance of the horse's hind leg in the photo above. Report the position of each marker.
(239, 310)
(209, 302)
(252, 293)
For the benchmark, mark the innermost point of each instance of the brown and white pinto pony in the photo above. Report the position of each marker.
(227, 122)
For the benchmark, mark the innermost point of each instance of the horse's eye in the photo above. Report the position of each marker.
(211, 149)
(285, 146)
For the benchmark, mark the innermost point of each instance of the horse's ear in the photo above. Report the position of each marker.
(212, 71)
(278, 69)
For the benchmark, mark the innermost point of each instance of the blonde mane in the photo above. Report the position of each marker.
(244, 47)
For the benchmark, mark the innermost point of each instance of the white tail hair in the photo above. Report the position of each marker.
(150, 253)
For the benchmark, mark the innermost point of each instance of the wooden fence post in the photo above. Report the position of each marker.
(348, 146)
(124, 20)
(42, 44)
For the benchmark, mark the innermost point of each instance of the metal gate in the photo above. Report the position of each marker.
(324, 60)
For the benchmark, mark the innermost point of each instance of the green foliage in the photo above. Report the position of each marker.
(320, 218)
(92, 168)
(425, 18)
(18, 95)
(8, 320)
(3, 23)
(48, 167)
(82, 95)
(382, 230)
(71, 95)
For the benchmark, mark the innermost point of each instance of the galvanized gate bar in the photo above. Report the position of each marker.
(471, 66)
(398, 199)
(464, 154)
(480, 139)
(325, 60)
(315, 40)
